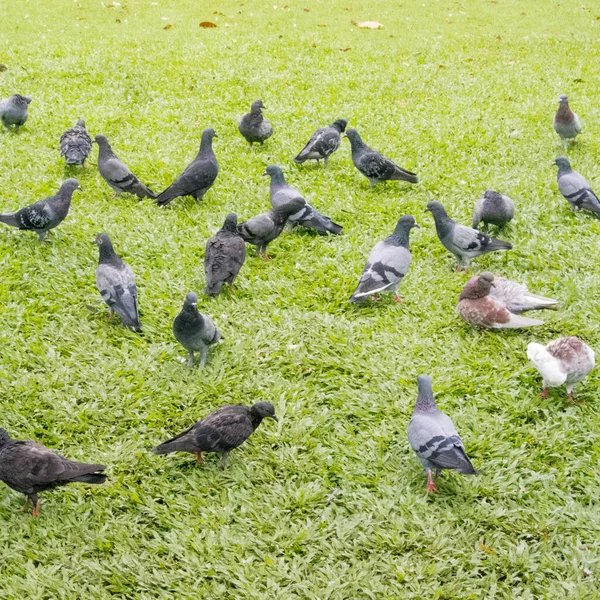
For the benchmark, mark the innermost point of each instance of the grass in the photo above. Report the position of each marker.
(330, 503)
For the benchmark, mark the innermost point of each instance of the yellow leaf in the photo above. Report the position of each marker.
(207, 24)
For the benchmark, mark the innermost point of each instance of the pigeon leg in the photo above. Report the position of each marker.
(266, 256)
(326, 159)
(199, 458)
(111, 315)
(544, 393)
(36, 504)
(564, 143)
(430, 484)
(374, 298)
(203, 353)
(397, 298)
(224, 458)
(42, 235)
(191, 359)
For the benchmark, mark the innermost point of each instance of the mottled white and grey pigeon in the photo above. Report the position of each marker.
(44, 215)
(225, 254)
(253, 126)
(465, 243)
(323, 142)
(31, 468)
(516, 297)
(14, 110)
(308, 216)
(479, 308)
(566, 122)
(575, 188)
(116, 283)
(373, 165)
(493, 208)
(264, 228)
(221, 431)
(194, 331)
(75, 144)
(388, 263)
(198, 176)
(434, 438)
(565, 360)
(117, 174)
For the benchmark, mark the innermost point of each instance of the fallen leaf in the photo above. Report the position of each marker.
(3, 68)
(166, 27)
(219, 13)
(117, 20)
(441, 66)
(369, 25)
(306, 9)
(485, 548)
(345, 49)
(207, 24)
(321, 25)
(109, 6)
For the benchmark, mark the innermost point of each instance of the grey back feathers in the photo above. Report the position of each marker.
(14, 110)
(253, 126)
(575, 188)
(516, 298)
(493, 208)
(75, 144)
(323, 143)
(566, 122)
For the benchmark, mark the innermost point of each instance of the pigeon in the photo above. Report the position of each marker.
(116, 173)
(221, 431)
(225, 254)
(198, 176)
(566, 122)
(465, 243)
(307, 216)
(323, 142)
(194, 331)
(14, 111)
(575, 188)
(31, 468)
(388, 263)
(479, 308)
(44, 214)
(565, 360)
(264, 228)
(75, 144)
(515, 297)
(116, 283)
(434, 438)
(374, 166)
(253, 126)
(493, 208)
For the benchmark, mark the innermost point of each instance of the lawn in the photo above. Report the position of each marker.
(330, 503)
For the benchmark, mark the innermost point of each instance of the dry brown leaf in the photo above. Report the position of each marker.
(208, 24)
(3, 68)
(109, 6)
(167, 27)
(369, 25)
(485, 548)
(306, 9)
(219, 13)
(346, 49)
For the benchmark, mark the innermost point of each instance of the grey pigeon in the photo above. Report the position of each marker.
(434, 438)
(309, 217)
(116, 283)
(224, 256)
(575, 188)
(194, 331)
(46, 214)
(566, 122)
(31, 468)
(221, 431)
(373, 165)
(565, 360)
(198, 176)
(465, 243)
(493, 208)
(75, 144)
(253, 126)
(116, 173)
(14, 111)
(323, 142)
(478, 307)
(264, 228)
(388, 263)
(515, 297)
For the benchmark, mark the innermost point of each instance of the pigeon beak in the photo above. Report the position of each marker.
(426, 210)
(265, 174)
(80, 188)
(417, 226)
(274, 417)
(492, 284)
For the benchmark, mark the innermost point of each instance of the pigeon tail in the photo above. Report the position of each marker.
(10, 219)
(167, 196)
(496, 244)
(75, 156)
(548, 366)
(517, 321)
(93, 478)
(404, 175)
(322, 224)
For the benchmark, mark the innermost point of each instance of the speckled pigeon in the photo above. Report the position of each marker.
(516, 297)
(14, 110)
(575, 188)
(323, 142)
(493, 208)
(253, 126)
(388, 263)
(75, 144)
(31, 468)
(566, 122)
(198, 176)
(221, 431)
(46, 214)
(434, 438)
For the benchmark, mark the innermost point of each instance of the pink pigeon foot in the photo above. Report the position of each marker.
(430, 484)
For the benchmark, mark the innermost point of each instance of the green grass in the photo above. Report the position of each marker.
(330, 503)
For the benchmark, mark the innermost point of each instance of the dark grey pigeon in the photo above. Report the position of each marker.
(46, 214)
(434, 438)
(225, 254)
(388, 263)
(465, 243)
(14, 111)
(308, 216)
(221, 431)
(116, 283)
(323, 142)
(198, 176)
(253, 126)
(194, 331)
(264, 228)
(75, 144)
(116, 173)
(493, 208)
(575, 188)
(566, 122)
(31, 468)
(373, 165)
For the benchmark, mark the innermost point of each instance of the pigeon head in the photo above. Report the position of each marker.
(265, 410)
(402, 230)
(355, 139)
(340, 125)
(105, 247)
(230, 223)
(101, 239)
(102, 141)
(275, 173)
(207, 137)
(563, 99)
(562, 162)
(80, 123)
(406, 223)
(22, 100)
(478, 287)
(256, 106)
(191, 299)
(70, 185)
(436, 209)
(5, 438)
(425, 399)
(492, 195)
